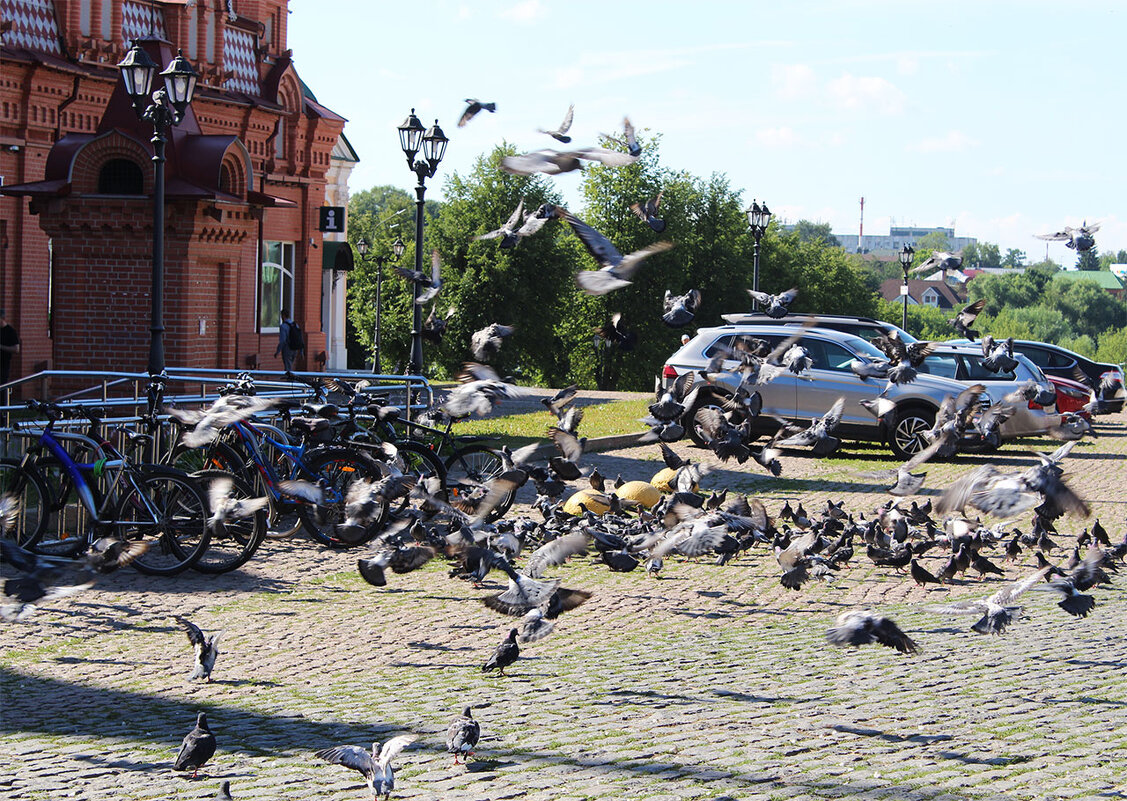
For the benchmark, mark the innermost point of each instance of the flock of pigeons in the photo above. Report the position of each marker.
(619, 532)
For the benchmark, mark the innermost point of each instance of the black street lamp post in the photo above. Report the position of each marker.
(432, 142)
(758, 218)
(163, 108)
(363, 248)
(906, 255)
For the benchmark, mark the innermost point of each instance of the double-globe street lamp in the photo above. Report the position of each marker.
(363, 248)
(906, 254)
(163, 108)
(432, 142)
(758, 218)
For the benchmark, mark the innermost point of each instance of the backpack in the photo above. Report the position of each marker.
(294, 339)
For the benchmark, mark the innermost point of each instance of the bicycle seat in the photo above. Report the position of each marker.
(135, 437)
(326, 411)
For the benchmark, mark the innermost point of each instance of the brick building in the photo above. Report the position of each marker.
(247, 170)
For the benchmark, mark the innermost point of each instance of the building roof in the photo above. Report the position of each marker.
(1106, 279)
(949, 297)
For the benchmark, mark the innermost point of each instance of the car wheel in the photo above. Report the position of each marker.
(692, 427)
(905, 435)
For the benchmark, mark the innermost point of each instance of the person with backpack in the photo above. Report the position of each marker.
(290, 340)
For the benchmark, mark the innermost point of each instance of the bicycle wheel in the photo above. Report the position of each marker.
(216, 456)
(472, 466)
(336, 469)
(234, 542)
(170, 508)
(34, 499)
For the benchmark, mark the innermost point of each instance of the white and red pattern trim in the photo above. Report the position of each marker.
(139, 20)
(239, 57)
(33, 25)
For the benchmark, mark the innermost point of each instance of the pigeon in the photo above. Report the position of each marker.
(861, 628)
(997, 610)
(480, 389)
(206, 649)
(560, 134)
(304, 490)
(509, 232)
(1079, 239)
(647, 213)
(108, 554)
(616, 269)
(207, 424)
(534, 626)
(998, 357)
(680, 309)
(9, 512)
(374, 766)
(561, 400)
(613, 333)
(774, 306)
(462, 735)
(819, 435)
(432, 283)
(1072, 601)
(963, 321)
(939, 260)
(198, 747)
(225, 507)
(434, 327)
(556, 162)
(629, 142)
(473, 106)
(486, 343)
(505, 654)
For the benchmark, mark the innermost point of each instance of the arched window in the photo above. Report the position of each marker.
(121, 177)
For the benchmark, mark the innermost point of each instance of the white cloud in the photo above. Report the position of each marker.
(951, 142)
(866, 93)
(793, 81)
(601, 67)
(525, 12)
(907, 64)
(464, 12)
(780, 137)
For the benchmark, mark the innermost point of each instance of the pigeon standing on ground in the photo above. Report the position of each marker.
(463, 735)
(206, 649)
(374, 766)
(473, 106)
(198, 747)
(560, 134)
(506, 653)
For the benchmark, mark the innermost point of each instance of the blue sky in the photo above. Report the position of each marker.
(1004, 118)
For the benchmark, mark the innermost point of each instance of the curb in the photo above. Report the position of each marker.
(597, 444)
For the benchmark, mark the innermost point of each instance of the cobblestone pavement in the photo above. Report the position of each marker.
(713, 682)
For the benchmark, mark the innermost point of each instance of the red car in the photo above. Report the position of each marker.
(1071, 395)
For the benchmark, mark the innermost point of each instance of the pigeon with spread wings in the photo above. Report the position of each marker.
(615, 270)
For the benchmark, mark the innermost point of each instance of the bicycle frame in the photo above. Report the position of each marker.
(251, 436)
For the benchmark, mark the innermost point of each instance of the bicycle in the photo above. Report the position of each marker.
(112, 496)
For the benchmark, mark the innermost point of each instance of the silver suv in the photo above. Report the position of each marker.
(948, 371)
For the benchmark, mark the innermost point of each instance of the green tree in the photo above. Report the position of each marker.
(936, 240)
(1113, 346)
(989, 256)
(1090, 308)
(1088, 260)
(808, 231)
(1014, 258)
(924, 322)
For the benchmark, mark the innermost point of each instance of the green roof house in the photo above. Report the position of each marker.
(1108, 281)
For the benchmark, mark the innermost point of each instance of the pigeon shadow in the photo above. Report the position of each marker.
(919, 739)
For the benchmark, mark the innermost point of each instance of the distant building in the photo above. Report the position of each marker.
(1108, 281)
(898, 236)
(939, 294)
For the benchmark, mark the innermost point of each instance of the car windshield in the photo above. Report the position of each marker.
(1038, 376)
(863, 347)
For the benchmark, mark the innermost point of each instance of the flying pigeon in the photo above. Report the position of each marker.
(1079, 239)
(680, 310)
(560, 134)
(647, 213)
(963, 321)
(432, 283)
(486, 343)
(616, 269)
(629, 142)
(862, 627)
(774, 306)
(473, 106)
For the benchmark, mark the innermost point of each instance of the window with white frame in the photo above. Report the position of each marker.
(275, 283)
(930, 297)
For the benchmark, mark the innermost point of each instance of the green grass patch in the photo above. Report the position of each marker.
(600, 420)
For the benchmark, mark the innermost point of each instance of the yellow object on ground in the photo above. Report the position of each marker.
(645, 494)
(589, 498)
